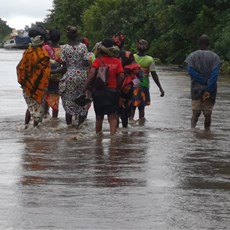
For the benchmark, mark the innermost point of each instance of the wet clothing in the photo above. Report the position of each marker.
(36, 109)
(201, 105)
(106, 100)
(126, 57)
(127, 92)
(147, 65)
(52, 94)
(141, 95)
(33, 73)
(203, 68)
(115, 67)
(75, 57)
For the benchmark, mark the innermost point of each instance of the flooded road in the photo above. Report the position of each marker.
(160, 175)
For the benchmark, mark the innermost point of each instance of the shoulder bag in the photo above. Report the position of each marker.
(101, 80)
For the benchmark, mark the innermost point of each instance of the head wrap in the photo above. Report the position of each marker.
(71, 29)
(107, 47)
(71, 33)
(119, 39)
(142, 45)
(37, 29)
(54, 35)
(37, 41)
(85, 41)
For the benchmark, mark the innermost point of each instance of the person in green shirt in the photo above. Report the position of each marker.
(141, 95)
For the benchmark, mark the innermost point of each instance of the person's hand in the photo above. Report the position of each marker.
(122, 102)
(162, 93)
(206, 96)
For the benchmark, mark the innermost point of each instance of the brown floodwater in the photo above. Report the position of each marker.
(155, 175)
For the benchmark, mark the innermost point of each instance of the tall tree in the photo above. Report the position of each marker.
(171, 27)
(5, 30)
(67, 12)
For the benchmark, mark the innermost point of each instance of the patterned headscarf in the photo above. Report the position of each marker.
(112, 51)
(86, 41)
(71, 29)
(71, 33)
(37, 41)
(142, 45)
(119, 39)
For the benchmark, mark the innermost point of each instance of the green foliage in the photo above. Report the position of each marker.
(222, 44)
(171, 27)
(5, 30)
(225, 67)
(98, 19)
(67, 12)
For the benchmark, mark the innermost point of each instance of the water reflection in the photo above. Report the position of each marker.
(116, 164)
(159, 175)
(101, 162)
(34, 161)
(205, 163)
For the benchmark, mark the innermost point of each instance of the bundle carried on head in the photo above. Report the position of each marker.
(119, 39)
(106, 46)
(142, 45)
(37, 29)
(37, 41)
(72, 33)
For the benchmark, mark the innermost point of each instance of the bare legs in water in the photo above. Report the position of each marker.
(207, 118)
(28, 118)
(69, 119)
(112, 118)
(141, 113)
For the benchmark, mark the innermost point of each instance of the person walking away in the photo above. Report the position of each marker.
(91, 58)
(203, 67)
(52, 95)
(33, 73)
(141, 95)
(131, 74)
(106, 100)
(126, 58)
(74, 57)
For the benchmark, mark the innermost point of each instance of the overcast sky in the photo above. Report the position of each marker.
(19, 13)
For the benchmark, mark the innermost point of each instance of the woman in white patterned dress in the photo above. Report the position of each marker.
(74, 55)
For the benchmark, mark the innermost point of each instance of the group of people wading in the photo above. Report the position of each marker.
(48, 71)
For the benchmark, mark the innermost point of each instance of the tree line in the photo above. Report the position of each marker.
(5, 30)
(171, 27)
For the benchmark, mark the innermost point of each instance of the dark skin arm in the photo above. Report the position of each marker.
(157, 81)
(120, 79)
(90, 78)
